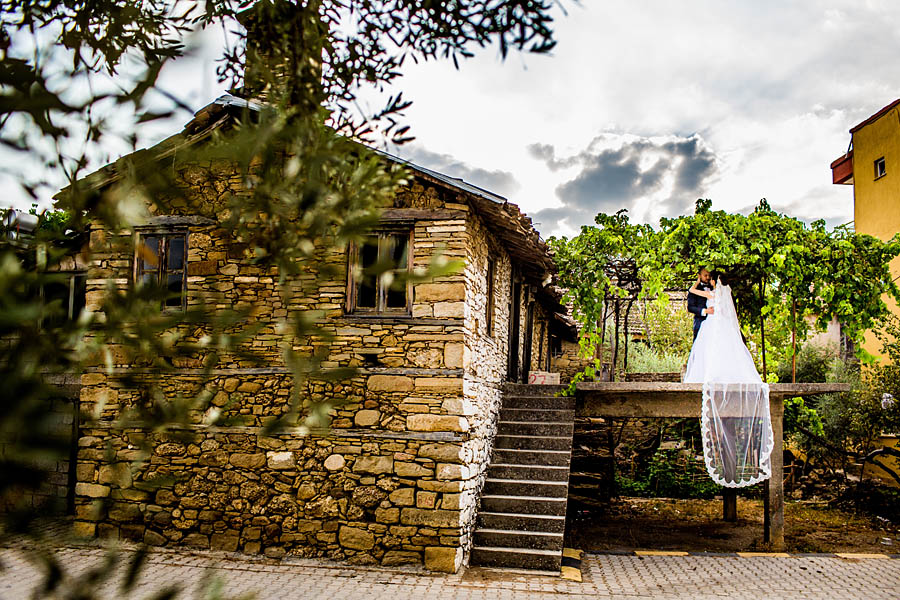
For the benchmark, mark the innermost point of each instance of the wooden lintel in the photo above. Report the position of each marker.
(177, 221)
(416, 214)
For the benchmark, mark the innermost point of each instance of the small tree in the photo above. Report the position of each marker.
(781, 270)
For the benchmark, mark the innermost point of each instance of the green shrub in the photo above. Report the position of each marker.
(669, 328)
(643, 359)
(797, 413)
(671, 473)
(814, 362)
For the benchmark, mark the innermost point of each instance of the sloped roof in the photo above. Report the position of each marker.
(875, 117)
(504, 219)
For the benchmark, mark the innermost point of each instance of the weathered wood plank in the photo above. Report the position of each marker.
(236, 371)
(177, 220)
(617, 392)
(417, 214)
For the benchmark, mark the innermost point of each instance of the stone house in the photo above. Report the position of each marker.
(397, 477)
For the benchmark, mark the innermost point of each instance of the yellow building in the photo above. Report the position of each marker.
(872, 167)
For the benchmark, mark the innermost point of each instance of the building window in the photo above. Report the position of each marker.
(63, 295)
(556, 347)
(489, 302)
(880, 171)
(378, 269)
(161, 260)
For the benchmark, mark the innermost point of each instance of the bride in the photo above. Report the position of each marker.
(734, 421)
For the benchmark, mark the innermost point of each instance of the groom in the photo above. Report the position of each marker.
(697, 304)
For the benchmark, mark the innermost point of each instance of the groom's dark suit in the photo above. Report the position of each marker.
(697, 306)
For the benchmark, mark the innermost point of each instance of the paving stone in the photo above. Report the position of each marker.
(276, 577)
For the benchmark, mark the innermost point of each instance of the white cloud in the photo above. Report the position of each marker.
(770, 87)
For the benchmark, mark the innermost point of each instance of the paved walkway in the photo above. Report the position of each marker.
(604, 576)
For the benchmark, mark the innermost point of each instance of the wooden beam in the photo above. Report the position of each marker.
(415, 214)
(674, 397)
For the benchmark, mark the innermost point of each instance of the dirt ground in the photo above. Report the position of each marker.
(697, 526)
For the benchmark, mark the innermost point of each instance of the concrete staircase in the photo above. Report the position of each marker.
(522, 518)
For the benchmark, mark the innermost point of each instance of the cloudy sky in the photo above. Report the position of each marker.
(649, 105)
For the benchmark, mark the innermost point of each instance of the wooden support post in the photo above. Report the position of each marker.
(793, 341)
(729, 495)
(773, 530)
(729, 505)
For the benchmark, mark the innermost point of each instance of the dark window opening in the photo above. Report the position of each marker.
(378, 270)
(64, 296)
(556, 349)
(161, 260)
(880, 170)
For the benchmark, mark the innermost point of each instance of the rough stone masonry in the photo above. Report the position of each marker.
(397, 476)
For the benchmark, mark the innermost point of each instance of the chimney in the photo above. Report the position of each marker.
(283, 61)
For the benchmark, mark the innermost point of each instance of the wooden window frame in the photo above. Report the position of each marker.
(490, 276)
(880, 172)
(162, 270)
(381, 309)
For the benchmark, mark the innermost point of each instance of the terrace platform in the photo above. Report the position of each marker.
(683, 400)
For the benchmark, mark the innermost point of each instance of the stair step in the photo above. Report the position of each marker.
(524, 389)
(500, 470)
(508, 538)
(533, 442)
(536, 428)
(522, 522)
(526, 487)
(537, 414)
(521, 558)
(532, 505)
(525, 456)
(547, 402)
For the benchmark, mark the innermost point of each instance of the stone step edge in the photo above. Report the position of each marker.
(537, 409)
(518, 550)
(525, 498)
(560, 399)
(516, 394)
(555, 467)
(536, 437)
(535, 450)
(518, 532)
(528, 481)
(521, 515)
(534, 422)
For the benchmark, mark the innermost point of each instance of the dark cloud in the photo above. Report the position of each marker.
(612, 179)
(502, 183)
(547, 154)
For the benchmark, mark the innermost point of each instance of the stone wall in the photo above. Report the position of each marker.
(654, 377)
(387, 500)
(421, 380)
(540, 338)
(568, 361)
(52, 491)
(485, 362)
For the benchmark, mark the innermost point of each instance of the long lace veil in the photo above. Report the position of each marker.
(735, 422)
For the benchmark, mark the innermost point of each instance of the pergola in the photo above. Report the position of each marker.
(683, 400)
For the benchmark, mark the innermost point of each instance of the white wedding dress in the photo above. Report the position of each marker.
(735, 423)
